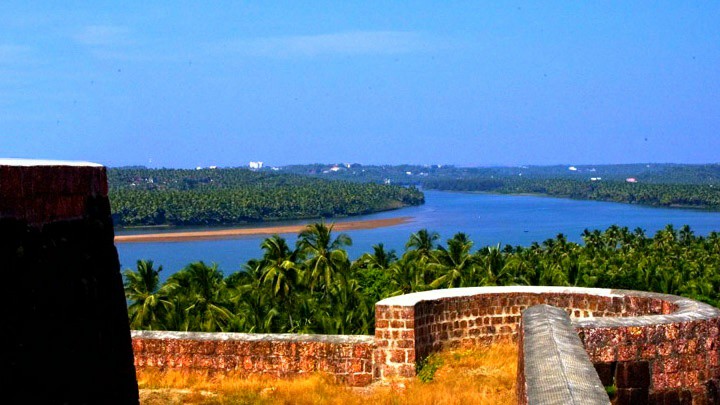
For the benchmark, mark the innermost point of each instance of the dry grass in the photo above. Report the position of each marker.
(477, 376)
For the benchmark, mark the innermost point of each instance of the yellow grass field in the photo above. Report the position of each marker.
(484, 375)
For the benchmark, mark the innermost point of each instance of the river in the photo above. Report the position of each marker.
(488, 219)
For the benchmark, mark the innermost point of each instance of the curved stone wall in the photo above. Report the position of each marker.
(653, 346)
(57, 235)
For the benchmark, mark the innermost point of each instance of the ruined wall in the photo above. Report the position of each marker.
(65, 322)
(347, 358)
(654, 348)
(412, 326)
(672, 358)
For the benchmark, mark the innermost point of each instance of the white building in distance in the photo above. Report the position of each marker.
(256, 165)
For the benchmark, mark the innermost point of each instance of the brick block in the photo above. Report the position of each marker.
(605, 372)
(632, 375)
(627, 353)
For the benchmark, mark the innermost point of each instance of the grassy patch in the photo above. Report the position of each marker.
(427, 368)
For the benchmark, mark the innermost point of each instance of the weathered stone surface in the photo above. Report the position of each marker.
(65, 317)
(676, 337)
(347, 358)
(555, 367)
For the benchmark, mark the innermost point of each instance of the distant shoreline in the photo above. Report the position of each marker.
(266, 230)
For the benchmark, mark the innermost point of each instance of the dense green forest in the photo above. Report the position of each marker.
(232, 196)
(664, 195)
(667, 185)
(666, 173)
(225, 196)
(313, 287)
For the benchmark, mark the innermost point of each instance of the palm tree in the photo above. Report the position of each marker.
(279, 269)
(422, 243)
(256, 313)
(324, 254)
(378, 259)
(200, 290)
(348, 312)
(494, 268)
(148, 301)
(408, 275)
(455, 263)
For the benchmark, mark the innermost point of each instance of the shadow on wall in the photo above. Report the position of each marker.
(65, 316)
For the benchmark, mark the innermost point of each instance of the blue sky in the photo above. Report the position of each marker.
(467, 83)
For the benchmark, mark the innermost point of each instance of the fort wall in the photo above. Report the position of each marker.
(57, 254)
(65, 324)
(553, 367)
(651, 347)
(346, 358)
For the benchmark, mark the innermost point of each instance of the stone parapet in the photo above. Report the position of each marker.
(651, 347)
(40, 192)
(347, 358)
(410, 327)
(671, 358)
(65, 321)
(553, 367)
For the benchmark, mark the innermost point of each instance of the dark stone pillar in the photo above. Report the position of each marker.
(64, 315)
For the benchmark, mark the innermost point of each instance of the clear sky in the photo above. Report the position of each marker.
(185, 84)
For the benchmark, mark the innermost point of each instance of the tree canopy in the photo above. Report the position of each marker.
(315, 288)
(236, 196)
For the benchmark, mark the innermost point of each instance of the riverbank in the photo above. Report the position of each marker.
(266, 230)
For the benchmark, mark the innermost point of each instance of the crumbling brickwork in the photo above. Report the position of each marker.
(422, 323)
(347, 358)
(671, 358)
(652, 347)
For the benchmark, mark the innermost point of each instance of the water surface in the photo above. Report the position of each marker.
(488, 219)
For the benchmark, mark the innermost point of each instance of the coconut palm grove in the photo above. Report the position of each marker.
(313, 287)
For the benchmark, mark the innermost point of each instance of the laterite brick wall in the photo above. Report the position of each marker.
(652, 347)
(347, 358)
(670, 358)
(65, 324)
(412, 326)
(56, 243)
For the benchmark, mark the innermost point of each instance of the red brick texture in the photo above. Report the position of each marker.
(651, 346)
(347, 358)
(464, 321)
(47, 193)
(661, 361)
(654, 348)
